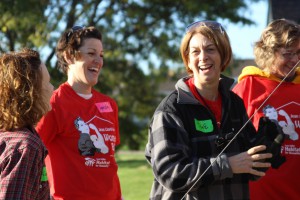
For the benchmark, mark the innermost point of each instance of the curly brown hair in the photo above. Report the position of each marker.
(70, 41)
(21, 103)
(280, 33)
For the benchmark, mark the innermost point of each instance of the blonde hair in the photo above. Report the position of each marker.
(219, 38)
(280, 33)
(21, 104)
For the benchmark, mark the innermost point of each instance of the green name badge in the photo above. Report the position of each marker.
(44, 175)
(205, 126)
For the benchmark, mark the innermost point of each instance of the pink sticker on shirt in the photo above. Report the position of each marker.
(104, 107)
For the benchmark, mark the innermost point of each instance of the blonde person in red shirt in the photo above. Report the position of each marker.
(25, 92)
(277, 52)
(82, 130)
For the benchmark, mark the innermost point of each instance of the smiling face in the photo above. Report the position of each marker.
(285, 60)
(204, 60)
(85, 68)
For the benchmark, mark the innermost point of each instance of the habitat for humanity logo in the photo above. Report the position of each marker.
(205, 126)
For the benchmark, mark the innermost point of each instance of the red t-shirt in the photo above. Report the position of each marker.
(81, 136)
(214, 106)
(283, 106)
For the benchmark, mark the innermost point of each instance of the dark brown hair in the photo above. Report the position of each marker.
(70, 41)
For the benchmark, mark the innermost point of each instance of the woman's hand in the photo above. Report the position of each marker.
(250, 161)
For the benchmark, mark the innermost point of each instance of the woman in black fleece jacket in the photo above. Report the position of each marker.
(193, 124)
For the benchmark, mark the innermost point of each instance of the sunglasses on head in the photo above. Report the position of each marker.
(211, 24)
(74, 29)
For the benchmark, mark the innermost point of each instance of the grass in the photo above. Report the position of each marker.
(135, 175)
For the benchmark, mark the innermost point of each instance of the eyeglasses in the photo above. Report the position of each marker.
(74, 29)
(211, 24)
(290, 55)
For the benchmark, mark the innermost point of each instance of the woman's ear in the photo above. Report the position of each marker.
(68, 58)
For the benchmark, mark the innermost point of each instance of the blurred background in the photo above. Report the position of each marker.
(141, 42)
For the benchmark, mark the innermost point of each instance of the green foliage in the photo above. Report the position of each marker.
(135, 94)
(22, 24)
(138, 36)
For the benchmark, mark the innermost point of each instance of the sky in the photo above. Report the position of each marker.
(243, 37)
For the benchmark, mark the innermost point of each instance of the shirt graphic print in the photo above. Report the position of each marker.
(94, 140)
(289, 122)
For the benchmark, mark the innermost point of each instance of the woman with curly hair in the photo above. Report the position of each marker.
(271, 89)
(25, 91)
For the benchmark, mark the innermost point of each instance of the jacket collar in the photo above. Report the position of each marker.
(185, 96)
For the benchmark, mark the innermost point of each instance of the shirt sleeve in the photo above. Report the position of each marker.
(47, 127)
(240, 89)
(169, 153)
(244, 90)
(21, 177)
(117, 122)
(247, 91)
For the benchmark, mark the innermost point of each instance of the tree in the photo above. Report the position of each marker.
(22, 24)
(138, 35)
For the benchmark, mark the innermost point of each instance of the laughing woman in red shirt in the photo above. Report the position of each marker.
(82, 130)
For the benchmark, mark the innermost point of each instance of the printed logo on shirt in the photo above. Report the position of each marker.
(289, 120)
(285, 121)
(104, 107)
(205, 126)
(98, 162)
(91, 141)
(97, 137)
(44, 175)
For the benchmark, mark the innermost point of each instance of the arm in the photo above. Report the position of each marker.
(47, 127)
(100, 138)
(21, 176)
(99, 141)
(174, 164)
(287, 117)
(252, 159)
(249, 161)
